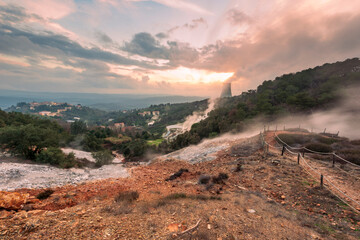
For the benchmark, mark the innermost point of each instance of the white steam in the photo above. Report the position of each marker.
(345, 118)
(174, 130)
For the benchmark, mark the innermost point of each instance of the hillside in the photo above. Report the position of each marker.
(304, 92)
(236, 192)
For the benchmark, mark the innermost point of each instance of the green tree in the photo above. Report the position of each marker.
(55, 156)
(102, 157)
(28, 140)
(78, 127)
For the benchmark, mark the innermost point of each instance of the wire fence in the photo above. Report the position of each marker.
(314, 173)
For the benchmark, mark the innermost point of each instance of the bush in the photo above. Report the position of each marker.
(319, 147)
(204, 179)
(351, 154)
(292, 139)
(45, 194)
(102, 158)
(326, 140)
(128, 196)
(176, 196)
(55, 156)
(220, 178)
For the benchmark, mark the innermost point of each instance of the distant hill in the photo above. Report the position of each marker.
(302, 92)
(107, 102)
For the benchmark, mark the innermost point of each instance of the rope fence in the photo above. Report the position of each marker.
(324, 180)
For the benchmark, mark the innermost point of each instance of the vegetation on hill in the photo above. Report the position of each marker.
(305, 91)
(34, 138)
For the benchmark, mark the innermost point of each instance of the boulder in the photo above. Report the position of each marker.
(13, 200)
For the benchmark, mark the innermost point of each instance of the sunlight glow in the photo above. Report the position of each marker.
(189, 75)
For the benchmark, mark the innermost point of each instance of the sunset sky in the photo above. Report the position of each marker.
(173, 47)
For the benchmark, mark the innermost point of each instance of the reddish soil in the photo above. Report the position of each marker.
(263, 198)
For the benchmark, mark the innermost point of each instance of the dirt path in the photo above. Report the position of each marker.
(339, 179)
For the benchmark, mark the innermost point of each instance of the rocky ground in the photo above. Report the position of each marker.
(239, 194)
(15, 175)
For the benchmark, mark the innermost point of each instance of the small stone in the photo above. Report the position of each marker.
(283, 197)
(209, 226)
(251, 211)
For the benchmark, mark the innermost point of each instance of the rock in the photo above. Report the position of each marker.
(283, 197)
(36, 213)
(209, 226)
(275, 162)
(176, 227)
(251, 211)
(5, 214)
(13, 200)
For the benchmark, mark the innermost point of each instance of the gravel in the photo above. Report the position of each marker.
(22, 175)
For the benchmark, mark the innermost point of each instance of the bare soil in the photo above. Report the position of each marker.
(263, 198)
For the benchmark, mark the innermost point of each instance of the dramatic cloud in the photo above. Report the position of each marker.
(178, 47)
(103, 37)
(144, 44)
(238, 17)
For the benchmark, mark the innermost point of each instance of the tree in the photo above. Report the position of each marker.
(55, 156)
(78, 127)
(102, 157)
(28, 140)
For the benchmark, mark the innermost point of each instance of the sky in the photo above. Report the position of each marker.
(172, 47)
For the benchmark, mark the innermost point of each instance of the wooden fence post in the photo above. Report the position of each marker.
(283, 150)
(321, 180)
(303, 152)
(298, 158)
(333, 163)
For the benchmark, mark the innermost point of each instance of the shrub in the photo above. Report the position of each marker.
(45, 194)
(220, 178)
(326, 140)
(355, 142)
(55, 156)
(102, 157)
(297, 130)
(292, 139)
(128, 196)
(351, 154)
(319, 147)
(177, 174)
(176, 196)
(204, 179)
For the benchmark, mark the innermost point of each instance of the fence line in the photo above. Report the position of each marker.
(322, 153)
(315, 172)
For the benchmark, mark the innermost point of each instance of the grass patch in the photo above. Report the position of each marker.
(307, 183)
(155, 142)
(175, 196)
(119, 140)
(324, 228)
(128, 196)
